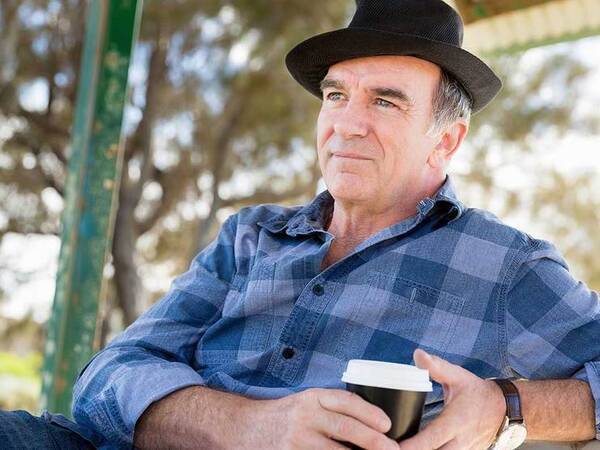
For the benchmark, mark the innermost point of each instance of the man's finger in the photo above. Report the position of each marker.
(344, 428)
(352, 405)
(435, 435)
(323, 442)
(317, 440)
(452, 445)
(439, 369)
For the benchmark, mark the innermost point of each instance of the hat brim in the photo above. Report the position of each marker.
(310, 60)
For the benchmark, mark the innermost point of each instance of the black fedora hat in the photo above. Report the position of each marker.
(426, 29)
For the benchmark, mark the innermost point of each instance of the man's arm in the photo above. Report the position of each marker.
(552, 328)
(194, 417)
(202, 418)
(553, 410)
(557, 410)
(155, 355)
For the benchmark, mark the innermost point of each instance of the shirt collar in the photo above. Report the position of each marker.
(313, 216)
(443, 207)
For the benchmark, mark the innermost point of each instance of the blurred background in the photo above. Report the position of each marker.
(214, 123)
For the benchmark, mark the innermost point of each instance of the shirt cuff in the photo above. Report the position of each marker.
(126, 402)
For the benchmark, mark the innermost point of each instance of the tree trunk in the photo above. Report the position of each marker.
(128, 285)
(205, 226)
(127, 281)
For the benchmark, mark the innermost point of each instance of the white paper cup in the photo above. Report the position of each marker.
(398, 389)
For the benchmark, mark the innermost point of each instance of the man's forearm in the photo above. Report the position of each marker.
(193, 417)
(557, 410)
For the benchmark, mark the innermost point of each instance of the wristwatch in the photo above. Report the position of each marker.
(512, 432)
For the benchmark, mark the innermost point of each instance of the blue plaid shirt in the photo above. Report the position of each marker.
(256, 315)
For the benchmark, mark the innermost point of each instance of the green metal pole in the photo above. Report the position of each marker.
(91, 195)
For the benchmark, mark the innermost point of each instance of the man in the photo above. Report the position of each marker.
(248, 348)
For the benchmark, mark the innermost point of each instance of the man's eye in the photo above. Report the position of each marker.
(333, 96)
(384, 103)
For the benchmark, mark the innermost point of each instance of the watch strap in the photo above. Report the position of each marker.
(513, 400)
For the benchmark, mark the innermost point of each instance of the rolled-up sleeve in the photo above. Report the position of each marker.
(553, 322)
(155, 355)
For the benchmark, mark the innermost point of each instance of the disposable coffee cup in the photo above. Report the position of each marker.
(398, 389)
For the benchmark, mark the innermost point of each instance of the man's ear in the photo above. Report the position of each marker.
(448, 143)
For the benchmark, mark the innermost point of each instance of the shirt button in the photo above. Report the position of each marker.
(288, 352)
(318, 289)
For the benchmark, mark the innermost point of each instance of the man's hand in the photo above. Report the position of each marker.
(202, 418)
(317, 418)
(473, 409)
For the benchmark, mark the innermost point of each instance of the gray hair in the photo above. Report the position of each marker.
(450, 103)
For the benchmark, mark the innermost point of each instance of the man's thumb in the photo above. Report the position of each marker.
(439, 369)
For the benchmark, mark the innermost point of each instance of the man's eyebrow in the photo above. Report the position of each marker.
(331, 83)
(392, 93)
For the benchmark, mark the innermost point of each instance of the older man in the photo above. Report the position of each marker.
(248, 348)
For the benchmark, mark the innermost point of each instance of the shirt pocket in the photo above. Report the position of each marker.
(418, 315)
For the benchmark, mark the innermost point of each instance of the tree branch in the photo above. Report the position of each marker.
(14, 227)
(49, 180)
(172, 190)
(44, 123)
(143, 136)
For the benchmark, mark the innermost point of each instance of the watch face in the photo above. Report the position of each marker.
(512, 437)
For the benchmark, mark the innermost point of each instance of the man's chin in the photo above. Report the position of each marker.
(352, 192)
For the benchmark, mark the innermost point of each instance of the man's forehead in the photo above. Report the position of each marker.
(373, 67)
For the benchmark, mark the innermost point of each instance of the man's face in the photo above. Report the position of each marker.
(372, 139)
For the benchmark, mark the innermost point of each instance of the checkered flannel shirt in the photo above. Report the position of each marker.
(256, 315)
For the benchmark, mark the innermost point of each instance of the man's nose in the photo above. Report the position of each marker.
(351, 122)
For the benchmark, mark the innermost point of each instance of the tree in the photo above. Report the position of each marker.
(210, 101)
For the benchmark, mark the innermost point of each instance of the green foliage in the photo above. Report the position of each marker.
(22, 367)
(20, 381)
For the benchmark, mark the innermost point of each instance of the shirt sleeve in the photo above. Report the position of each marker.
(155, 355)
(553, 322)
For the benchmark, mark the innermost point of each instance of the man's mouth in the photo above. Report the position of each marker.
(349, 155)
